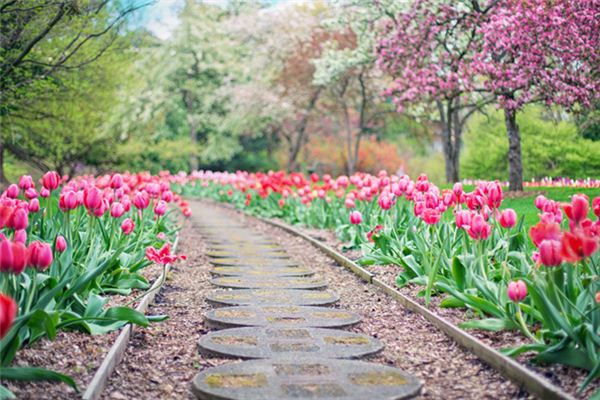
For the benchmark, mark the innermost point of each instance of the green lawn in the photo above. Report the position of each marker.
(525, 207)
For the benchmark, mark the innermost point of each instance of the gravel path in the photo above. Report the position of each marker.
(162, 360)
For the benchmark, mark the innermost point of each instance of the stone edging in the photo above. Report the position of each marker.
(532, 382)
(117, 350)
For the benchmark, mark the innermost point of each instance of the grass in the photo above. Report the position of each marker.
(525, 207)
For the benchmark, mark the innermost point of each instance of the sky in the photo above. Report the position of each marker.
(161, 17)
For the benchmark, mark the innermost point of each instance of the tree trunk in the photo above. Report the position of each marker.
(350, 162)
(515, 165)
(296, 145)
(189, 103)
(3, 180)
(450, 141)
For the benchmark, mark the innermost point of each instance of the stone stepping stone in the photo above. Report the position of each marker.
(269, 342)
(281, 317)
(243, 248)
(238, 282)
(305, 378)
(255, 262)
(238, 243)
(246, 297)
(244, 254)
(257, 272)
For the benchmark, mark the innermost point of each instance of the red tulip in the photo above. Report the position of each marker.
(577, 210)
(5, 214)
(508, 218)
(187, 212)
(545, 231)
(517, 291)
(8, 312)
(40, 255)
(13, 256)
(576, 246)
(51, 180)
(127, 226)
(550, 253)
(355, 217)
(60, 244)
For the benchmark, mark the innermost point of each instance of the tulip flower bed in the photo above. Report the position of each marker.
(461, 248)
(66, 246)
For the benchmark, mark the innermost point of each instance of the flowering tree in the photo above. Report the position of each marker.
(429, 49)
(539, 51)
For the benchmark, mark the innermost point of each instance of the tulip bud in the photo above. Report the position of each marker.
(68, 200)
(18, 219)
(45, 193)
(51, 180)
(508, 218)
(20, 236)
(8, 311)
(12, 191)
(550, 253)
(141, 200)
(160, 208)
(92, 199)
(31, 193)
(355, 217)
(127, 226)
(34, 206)
(61, 244)
(13, 256)
(116, 181)
(117, 210)
(25, 182)
(40, 255)
(517, 291)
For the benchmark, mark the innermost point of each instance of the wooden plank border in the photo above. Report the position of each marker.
(528, 380)
(117, 350)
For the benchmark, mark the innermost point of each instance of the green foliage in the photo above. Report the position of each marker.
(549, 148)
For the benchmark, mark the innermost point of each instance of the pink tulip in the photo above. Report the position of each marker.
(577, 210)
(20, 236)
(92, 198)
(141, 200)
(31, 193)
(479, 228)
(517, 291)
(160, 208)
(12, 191)
(34, 206)
(116, 181)
(431, 216)
(127, 226)
(596, 206)
(349, 203)
(19, 219)
(40, 255)
(385, 202)
(117, 210)
(25, 182)
(61, 244)
(355, 217)
(51, 180)
(462, 218)
(13, 257)
(45, 193)
(68, 200)
(550, 253)
(508, 218)
(540, 202)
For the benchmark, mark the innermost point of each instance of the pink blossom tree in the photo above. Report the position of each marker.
(428, 49)
(536, 50)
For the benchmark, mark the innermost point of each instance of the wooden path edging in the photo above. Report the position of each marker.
(532, 382)
(117, 350)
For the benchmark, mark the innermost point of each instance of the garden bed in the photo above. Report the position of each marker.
(567, 378)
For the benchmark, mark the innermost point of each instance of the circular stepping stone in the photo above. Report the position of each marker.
(305, 378)
(281, 317)
(244, 254)
(231, 242)
(257, 272)
(255, 297)
(264, 262)
(242, 248)
(239, 282)
(268, 342)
